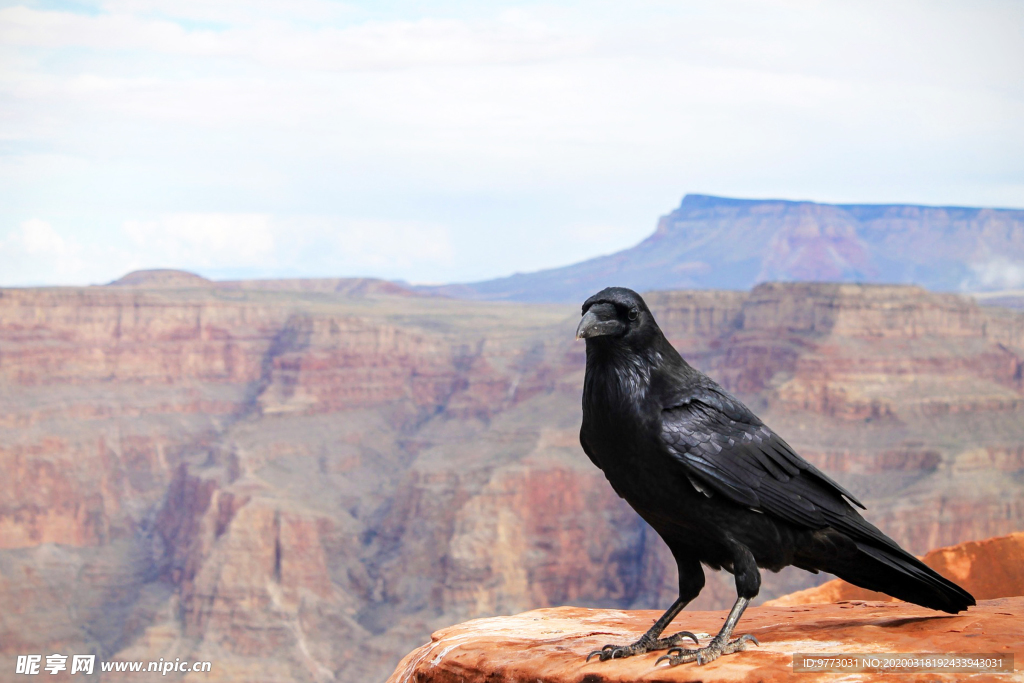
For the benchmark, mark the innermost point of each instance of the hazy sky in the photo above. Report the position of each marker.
(454, 141)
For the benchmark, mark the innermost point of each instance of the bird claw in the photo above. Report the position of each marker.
(687, 634)
(645, 644)
(713, 651)
(603, 653)
(747, 638)
(674, 639)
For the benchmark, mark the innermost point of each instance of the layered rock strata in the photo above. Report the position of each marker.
(303, 482)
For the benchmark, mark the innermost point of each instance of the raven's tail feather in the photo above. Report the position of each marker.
(896, 572)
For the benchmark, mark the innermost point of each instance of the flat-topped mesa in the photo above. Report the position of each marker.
(722, 243)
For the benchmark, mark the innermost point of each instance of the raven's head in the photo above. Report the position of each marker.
(616, 313)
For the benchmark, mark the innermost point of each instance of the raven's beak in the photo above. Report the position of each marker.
(585, 325)
(599, 320)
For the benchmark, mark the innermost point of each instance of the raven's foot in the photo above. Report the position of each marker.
(673, 640)
(715, 649)
(645, 644)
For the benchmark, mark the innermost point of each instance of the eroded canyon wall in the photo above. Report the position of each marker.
(301, 483)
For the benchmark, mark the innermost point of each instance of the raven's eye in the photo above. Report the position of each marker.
(633, 313)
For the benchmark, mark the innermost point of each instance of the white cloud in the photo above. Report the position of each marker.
(205, 239)
(222, 245)
(511, 38)
(221, 242)
(39, 237)
(344, 138)
(261, 245)
(995, 274)
(235, 11)
(35, 253)
(381, 245)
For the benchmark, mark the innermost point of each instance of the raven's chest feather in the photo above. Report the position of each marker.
(621, 423)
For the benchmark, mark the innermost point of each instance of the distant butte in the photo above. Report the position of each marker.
(166, 278)
(161, 278)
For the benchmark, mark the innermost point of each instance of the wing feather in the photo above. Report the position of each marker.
(732, 453)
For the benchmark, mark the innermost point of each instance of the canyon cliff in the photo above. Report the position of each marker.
(301, 481)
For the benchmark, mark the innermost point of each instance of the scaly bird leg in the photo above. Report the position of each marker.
(650, 640)
(719, 645)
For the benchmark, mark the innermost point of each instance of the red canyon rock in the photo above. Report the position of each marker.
(551, 645)
(302, 479)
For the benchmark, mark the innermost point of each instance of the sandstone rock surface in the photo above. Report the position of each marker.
(551, 645)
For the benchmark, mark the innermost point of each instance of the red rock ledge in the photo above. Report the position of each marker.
(550, 645)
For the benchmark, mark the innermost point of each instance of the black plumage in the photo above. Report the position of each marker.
(720, 487)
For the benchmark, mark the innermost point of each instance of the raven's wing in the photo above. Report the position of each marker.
(726, 450)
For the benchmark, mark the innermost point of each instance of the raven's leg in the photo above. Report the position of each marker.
(719, 645)
(691, 581)
(748, 583)
(649, 641)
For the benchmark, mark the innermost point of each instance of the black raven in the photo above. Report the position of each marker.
(719, 486)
